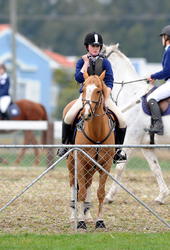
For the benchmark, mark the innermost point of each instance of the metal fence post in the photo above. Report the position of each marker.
(75, 189)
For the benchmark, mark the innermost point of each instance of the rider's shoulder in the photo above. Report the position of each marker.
(168, 50)
(80, 61)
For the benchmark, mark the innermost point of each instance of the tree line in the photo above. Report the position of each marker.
(62, 24)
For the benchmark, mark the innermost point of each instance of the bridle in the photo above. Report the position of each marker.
(97, 103)
(80, 125)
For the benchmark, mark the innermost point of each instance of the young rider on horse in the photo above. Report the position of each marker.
(163, 91)
(5, 98)
(94, 63)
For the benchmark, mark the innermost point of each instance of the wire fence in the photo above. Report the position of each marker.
(36, 195)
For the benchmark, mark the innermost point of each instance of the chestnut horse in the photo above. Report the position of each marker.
(30, 111)
(96, 129)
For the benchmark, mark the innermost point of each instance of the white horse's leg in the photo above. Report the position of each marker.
(118, 173)
(134, 135)
(156, 169)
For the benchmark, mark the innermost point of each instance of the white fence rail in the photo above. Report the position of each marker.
(31, 125)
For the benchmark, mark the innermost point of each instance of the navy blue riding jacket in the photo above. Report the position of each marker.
(165, 72)
(4, 85)
(106, 66)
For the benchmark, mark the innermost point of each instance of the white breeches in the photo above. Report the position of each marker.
(71, 114)
(114, 108)
(4, 103)
(161, 92)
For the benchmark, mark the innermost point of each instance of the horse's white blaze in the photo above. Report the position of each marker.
(135, 118)
(89, 91)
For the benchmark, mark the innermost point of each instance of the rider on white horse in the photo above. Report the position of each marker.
(5, 98)
(163, 91)
(94, 63)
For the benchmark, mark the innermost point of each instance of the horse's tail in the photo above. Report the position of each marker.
(45, 115)
(44, 132)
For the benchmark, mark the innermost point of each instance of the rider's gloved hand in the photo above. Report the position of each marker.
(150, 80)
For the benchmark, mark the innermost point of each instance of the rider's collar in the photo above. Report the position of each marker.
(93, 58)
(167, 46)
(3, 76)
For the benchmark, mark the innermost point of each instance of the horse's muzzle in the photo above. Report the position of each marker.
(87, 116)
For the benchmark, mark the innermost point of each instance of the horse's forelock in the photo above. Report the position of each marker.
(93, 79)
(114, 48)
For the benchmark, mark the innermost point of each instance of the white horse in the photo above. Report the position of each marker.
(137, 120)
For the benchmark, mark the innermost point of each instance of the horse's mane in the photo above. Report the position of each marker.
(124, 71)
(114, 48)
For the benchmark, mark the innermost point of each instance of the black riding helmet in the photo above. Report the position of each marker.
(165, 31)
(93, 39)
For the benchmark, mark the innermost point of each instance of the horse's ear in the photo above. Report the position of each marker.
(86, 75)
(102, 76)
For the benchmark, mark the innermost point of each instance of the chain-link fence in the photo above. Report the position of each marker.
(36, 195)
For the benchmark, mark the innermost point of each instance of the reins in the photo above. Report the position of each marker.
(123, 83)
(81, 128)
(138, 80)
(134, 81)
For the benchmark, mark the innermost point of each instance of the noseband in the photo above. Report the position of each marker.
(97, 103)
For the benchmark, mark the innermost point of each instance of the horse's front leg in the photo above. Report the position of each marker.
(70, 166)
(82, 194)
(101, 195)
(87, 203)
(156, 169)
(20, 156)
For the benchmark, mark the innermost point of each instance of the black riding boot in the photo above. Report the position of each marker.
(156, 124)
(4, 116)
(66, 134)
(120, 135)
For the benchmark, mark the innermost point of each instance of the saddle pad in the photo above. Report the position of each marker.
(146, 107)
(13, 110)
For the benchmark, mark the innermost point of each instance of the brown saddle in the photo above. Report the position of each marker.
(163, 104)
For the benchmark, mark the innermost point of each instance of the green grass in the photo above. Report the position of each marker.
(135, 163)
(98, 241)
(138, 163)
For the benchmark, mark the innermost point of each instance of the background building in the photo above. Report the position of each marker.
(35, 68)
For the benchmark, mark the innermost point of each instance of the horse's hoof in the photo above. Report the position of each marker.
(81, 225)
(107, 201)
(160, 199)
(159, 202)
(100, 224)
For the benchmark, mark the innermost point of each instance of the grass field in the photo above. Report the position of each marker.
(99, 241)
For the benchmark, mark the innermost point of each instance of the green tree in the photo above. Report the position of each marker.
(69, 90)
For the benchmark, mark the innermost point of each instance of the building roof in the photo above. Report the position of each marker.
(56, 59)
(4, 27)
(60, 59)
